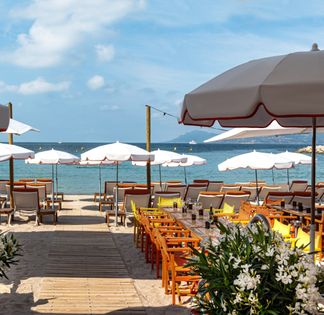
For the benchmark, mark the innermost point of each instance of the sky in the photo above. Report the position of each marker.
(83, 70)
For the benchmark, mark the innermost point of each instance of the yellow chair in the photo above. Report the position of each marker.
(227, 209)
(281, 228)
(303, 239)
(168, 202)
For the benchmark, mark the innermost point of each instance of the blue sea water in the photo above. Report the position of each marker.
(76, 179)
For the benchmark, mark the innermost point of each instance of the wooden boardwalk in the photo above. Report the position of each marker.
(84, 272)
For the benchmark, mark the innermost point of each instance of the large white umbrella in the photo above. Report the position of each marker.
(8, 151)
(161, 157)
(190, 161)
(297, 158)
(273, 129)
(255, 161)
(53, 157)
(18, 128)
(288, 88)
(99, 164)
(117, 152)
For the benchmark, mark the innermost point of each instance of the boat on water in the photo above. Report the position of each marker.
(192, 142)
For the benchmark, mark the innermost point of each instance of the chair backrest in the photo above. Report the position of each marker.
(121, 192)
(164, 194)
(284, 187)
(266, 189)
(226, 187)
(298, 185)
(201, 181)
(171, 182)
(208, 199)
(27, 180)
(157, 187)
(305, 197)
(15, 185)
(143, 187)
(252, 190)
(215, 185)
(235, 198)
(140, 197)
(109, 187)
(26, 199)
(278, 196)
(193, 191)
(41, 190)
(48, 183)
(178, 188)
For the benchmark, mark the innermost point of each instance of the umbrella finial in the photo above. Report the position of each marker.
(315, 47)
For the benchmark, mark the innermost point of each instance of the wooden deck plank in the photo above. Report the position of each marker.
(85, 273)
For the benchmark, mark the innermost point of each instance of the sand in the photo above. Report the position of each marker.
(27, 290)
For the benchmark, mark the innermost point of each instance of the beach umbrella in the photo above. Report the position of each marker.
(161, 157)
(117, 152)
(297, 158)
(99, 164)
(13, 152)
(18, 128)
(255, 161)
(53, 157)
(288, 88)
(191, 160)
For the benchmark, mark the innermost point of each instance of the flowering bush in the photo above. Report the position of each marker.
(9, 249)
(252, 271)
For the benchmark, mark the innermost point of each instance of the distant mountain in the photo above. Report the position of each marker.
(199, 136)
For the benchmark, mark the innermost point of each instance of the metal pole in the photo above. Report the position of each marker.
(160, 177)
(56, 179)
(99, 182)
(313, 182)
(11, 161)
(148, 145)
(52, 186)
(256, 186)
(185, 174)
(272, 176)
(288, 177)
(116, 203)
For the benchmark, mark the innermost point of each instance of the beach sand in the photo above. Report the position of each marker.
(81, 267)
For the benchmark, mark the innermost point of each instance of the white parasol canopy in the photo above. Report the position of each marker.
(163, 156)
(272, 130)
(255, 161)
(53, 157)
(190, 161)
(18, 128)
(16, 152)
(297, 158)
(117, 152)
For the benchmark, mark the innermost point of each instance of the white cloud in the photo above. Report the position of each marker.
(59, 25)
(37, 86)
(105, 52)
(96, 82)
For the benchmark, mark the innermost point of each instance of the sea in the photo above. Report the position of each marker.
(74, 179)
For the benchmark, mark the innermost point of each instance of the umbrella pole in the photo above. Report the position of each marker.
(160, 176)
(116, 204)
(256, 187)
(56, 179)
(99, 182)
(288, 177)
(185, 174)
(52, 186)
(272, 176)
(313, 182)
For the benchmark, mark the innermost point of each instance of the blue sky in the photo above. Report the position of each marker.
(83, 70)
